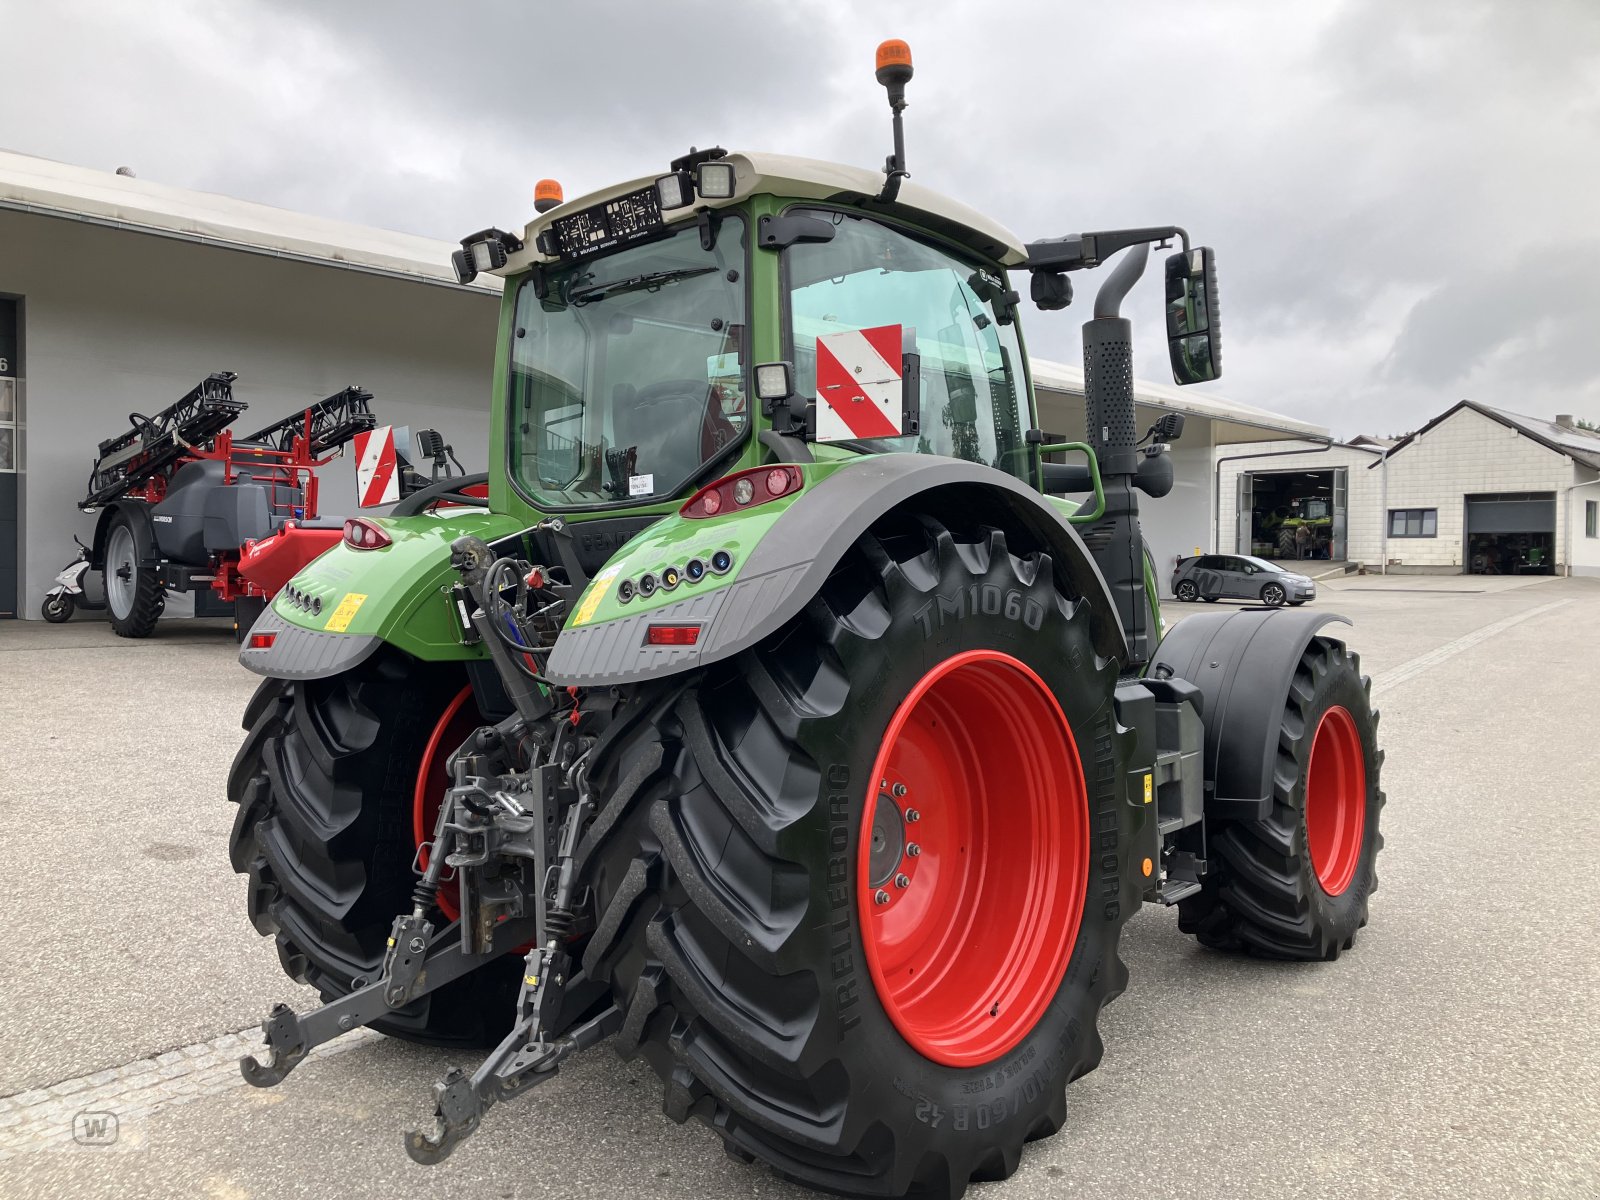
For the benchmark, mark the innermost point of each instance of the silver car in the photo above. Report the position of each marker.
(1240, 577)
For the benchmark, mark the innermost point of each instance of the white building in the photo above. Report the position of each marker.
(118, 295)
(1476, 489)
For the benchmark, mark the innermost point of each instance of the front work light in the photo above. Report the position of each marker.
(714, 180)
(487, 250)
(675, 190)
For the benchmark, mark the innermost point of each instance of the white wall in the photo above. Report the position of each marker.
(1469, 454)
(115, 321)
(1363, 519)
(1585, 557)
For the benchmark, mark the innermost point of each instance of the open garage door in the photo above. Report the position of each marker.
(1511, 534)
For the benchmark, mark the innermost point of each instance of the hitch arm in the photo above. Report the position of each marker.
(290, 1036)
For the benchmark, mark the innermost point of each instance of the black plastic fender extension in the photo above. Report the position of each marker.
(144, 533)
(792, 562)
(1242, 662)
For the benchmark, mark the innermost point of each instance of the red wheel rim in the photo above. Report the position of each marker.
(1336, 800)
(968, 936)
(455, 724)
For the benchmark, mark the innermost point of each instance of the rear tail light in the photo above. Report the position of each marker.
(744, 489)
(360, 533)
(672, 635)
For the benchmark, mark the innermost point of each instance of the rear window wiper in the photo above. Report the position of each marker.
(638, 283)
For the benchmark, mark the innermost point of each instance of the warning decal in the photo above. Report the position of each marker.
(377, 479)
(345, 613)
(859, 390)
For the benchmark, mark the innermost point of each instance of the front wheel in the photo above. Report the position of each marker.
(1295, 884)
(1273, 595)
(1186, 591)
(57, 608)
(849, 900)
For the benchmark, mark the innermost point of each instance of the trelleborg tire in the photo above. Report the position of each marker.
(326, 783)
(1296, 884)
(748, 906)
(134, 599)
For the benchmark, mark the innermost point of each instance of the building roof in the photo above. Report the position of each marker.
(38, 185)
(1235, 422)
(1577, 444)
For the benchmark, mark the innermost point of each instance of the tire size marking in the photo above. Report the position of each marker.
(986, 598)
(841, 956)
(1105, 817)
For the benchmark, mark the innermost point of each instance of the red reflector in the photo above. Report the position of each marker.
(672, 635)
(262, 641)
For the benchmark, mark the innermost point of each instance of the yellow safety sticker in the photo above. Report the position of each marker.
(596, 593)
(345, 612)
(1149, 788)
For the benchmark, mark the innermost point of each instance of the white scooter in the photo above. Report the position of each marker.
(69, 592)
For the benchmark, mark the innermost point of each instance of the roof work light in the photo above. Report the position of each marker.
(486, 250)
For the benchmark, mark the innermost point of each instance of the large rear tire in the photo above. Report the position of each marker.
(1296, 883)
(326, 784)
(763, 918)
(134, 598)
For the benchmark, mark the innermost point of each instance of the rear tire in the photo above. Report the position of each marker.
(325, 786)
(1186, 591)
(134, 598)
(56, 609)
(736, 901)
(1296, 884)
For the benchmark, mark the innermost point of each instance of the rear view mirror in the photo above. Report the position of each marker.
(1194, 334)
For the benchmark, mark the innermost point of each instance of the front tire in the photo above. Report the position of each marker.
(749, 862)
(326, 785)
(57, 608)
(1274, 596)
(1296, 883)
(134, 598)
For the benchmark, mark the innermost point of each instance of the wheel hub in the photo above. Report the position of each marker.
(1336, 800)
(973, 862)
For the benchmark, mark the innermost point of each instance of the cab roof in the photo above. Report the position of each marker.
(808, 179)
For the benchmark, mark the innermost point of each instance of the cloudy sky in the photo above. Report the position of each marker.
(1402, 193)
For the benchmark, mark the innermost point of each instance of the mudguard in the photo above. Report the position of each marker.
(344, 605)
(144, 533)
(1243, 663)
(782, 557)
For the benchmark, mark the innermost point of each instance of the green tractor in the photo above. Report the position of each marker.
(779, 716)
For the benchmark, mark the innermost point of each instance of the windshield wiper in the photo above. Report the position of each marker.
(638, 283)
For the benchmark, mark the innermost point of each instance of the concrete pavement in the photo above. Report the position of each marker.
(1454, 1052)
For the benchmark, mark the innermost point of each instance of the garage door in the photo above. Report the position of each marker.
(1533, 512)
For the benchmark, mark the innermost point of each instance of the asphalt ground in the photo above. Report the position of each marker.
(1454, 1052)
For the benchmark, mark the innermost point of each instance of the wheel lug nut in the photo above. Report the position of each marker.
(913, 815)
(901, 881)
(882, 897)
(899, 789)
(912, 849)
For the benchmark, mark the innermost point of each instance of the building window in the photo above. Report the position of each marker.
(1413, 522)
(1591, 518)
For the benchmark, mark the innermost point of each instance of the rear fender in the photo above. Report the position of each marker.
(783, 556)
(339, 609)
(1243, 663)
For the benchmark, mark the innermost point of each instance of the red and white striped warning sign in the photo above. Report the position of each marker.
(858, 384)
(377, 478)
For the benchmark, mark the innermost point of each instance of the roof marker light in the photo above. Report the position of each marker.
(546, 195)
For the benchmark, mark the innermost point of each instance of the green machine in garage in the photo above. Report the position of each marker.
(780, 716)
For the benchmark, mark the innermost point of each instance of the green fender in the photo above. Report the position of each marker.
(347, 603)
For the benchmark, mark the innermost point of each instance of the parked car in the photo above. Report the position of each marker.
(1240, 577)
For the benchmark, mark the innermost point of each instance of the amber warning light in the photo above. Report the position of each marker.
(894, 61)
(546, 195)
